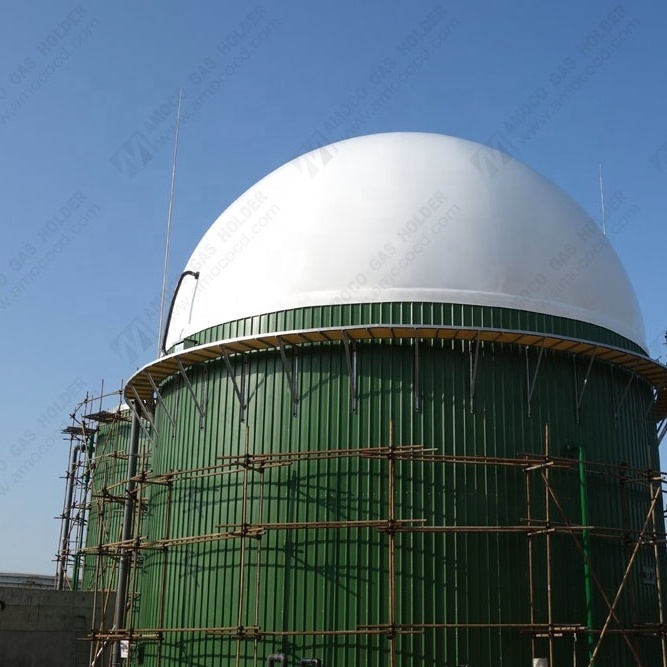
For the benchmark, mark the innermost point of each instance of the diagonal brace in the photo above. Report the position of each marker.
(239, 391)
(624, 395)
(158, 396)
(474, 364)
(579, 394)
(188, 384)
(351, 362)
(146, 413)
(594, 577)
(291, 375)
(532, 381)
(416, 379)
(628, 569)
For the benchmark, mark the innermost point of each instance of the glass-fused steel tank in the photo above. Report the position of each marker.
(404, 415)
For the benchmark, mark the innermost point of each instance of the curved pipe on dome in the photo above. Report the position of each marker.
(195, 275)
(280, 658)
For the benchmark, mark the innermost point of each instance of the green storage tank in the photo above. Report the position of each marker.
(404, 416)
(107, 492)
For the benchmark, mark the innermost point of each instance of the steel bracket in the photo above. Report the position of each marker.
(624, 395)
(291, 374)
(241, 392)
(532, 381)
(474, 364)
(351, 362)
(188, 384)
(147, 414)
(579, 395)
(158, 396)
(416, 381)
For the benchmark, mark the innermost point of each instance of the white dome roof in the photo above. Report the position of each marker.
(405, 217)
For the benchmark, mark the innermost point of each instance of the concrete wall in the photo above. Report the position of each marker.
(44, 628)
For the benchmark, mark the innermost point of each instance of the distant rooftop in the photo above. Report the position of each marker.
(22, 580)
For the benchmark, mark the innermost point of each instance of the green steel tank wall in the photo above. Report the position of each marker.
(108, 479)
(332, 579)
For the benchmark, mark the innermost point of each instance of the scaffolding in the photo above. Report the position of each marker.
(541, 525)
(545, 522)
(74, 519)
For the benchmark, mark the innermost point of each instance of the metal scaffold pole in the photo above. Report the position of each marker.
(554, 523)
(67, 518)
(126, 534)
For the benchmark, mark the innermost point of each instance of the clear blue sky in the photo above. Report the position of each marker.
(87, 96)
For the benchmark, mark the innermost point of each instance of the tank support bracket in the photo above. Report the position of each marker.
(146, 413)
(292, 374)
(188, 384)
(474, 363)
(416, 387)
(351, 361)
(532, 381)
(579, 395)
(158, 396)
(239, 391)
(624, 395)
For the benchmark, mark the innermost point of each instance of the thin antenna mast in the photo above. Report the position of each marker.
(171, 207)
(604, 223)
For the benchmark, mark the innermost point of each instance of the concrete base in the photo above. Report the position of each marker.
(44, 628)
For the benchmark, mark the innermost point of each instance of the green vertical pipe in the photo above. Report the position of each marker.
(586, 539)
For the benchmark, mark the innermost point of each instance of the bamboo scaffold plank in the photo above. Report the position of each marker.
(241, 530)
(535, 467)
(141, 384)
(628, 569)
(256, 632)
(416, 453)
(553, 498)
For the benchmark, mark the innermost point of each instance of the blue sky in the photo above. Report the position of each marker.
(87, 107)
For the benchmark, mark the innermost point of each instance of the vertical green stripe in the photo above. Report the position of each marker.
(321, 579)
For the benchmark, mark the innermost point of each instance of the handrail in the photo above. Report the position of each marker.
(649, 369)
(195, 274)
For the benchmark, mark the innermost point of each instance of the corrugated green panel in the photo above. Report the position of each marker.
(108, 488)
(109, 471)
(414, 313)
(326, 579)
